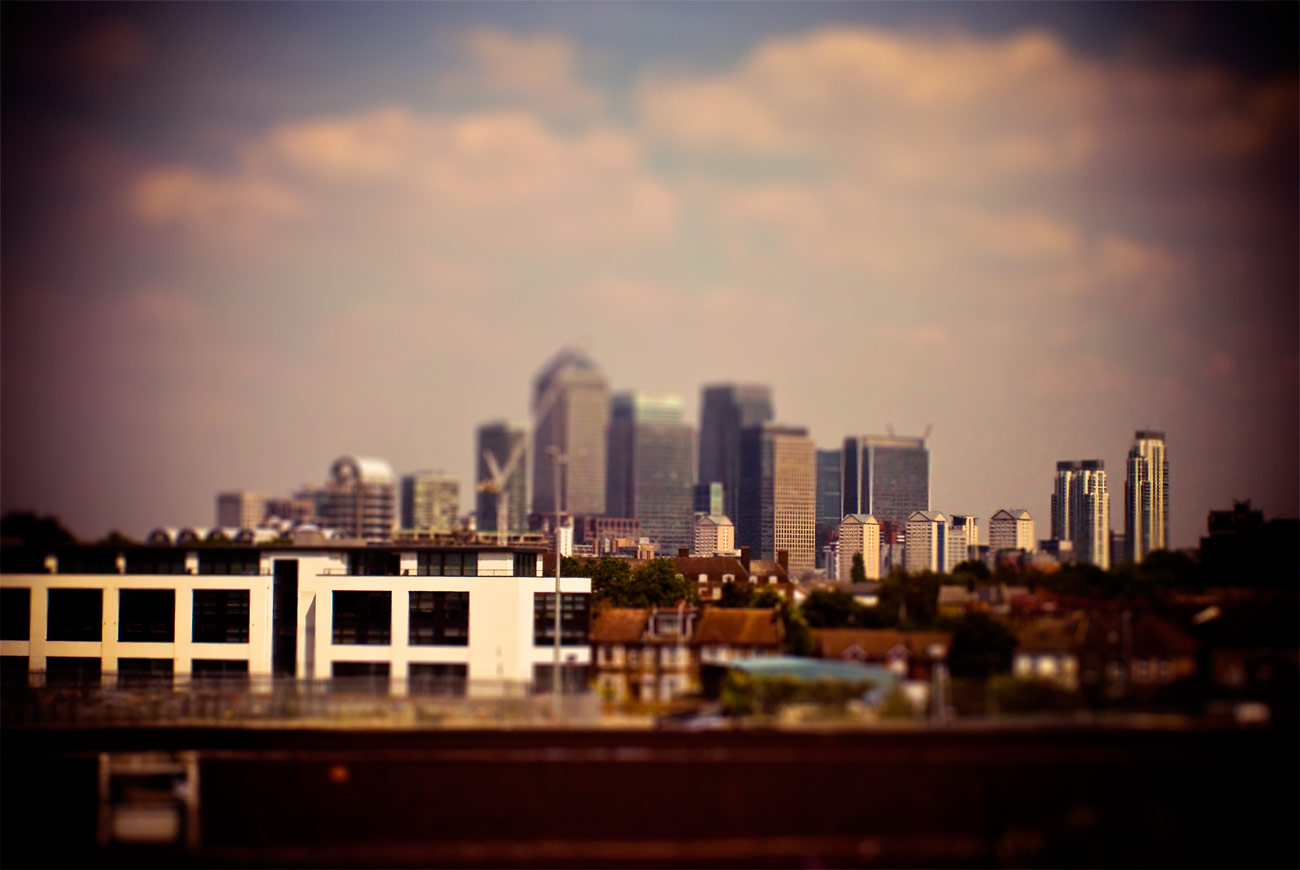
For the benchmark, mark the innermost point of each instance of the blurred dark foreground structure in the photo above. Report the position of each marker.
(1141, 792)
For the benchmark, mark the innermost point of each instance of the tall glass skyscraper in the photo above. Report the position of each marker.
(570, 412)
(828, 500)
(648, 472)
(1146, 496)
(885, 476)
(725, 410)
(778, 494)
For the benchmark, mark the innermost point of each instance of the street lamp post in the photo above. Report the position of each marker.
(557, 459)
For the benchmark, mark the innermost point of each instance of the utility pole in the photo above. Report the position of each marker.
(557, 459)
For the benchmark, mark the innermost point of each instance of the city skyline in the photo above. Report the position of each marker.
(243, 240)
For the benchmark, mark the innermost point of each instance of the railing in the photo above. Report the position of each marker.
(362, 701)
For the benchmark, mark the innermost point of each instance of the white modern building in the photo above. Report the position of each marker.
(859, 534)
(361, 498)
(925, 543)
(415, 617)
(1146, 496)
(1011, 529)
(714, 534)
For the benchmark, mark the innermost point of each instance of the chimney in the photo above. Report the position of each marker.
(783, 559)
(683, 552)
(744, 560)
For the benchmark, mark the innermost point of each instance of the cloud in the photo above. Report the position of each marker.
(537, 72)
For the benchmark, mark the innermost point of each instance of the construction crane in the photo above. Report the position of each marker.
(495, 483)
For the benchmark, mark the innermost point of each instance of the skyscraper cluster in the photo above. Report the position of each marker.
(628, 464)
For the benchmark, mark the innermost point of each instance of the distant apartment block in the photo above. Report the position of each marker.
(570, 413)
(241, 509)
(649, 456)
(925, 543)
(501, 439)
(1081, 510)
(713, 534)
(1146, 496)
(885, 476)
(294, 511)
(430, 501)
(726, 410)
(778, 497)
(361, 498)
(963, 539)
(858, 534)
(1011, 529)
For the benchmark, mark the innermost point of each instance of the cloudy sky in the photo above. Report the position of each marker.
(240, 240)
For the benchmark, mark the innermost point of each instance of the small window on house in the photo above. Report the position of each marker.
(728, 578)
(704, 578)
(525, 564)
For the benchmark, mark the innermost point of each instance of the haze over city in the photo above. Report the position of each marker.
(241, 240)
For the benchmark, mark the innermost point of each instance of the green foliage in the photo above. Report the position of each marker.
(744, 694)
(858, 573)
(831, 608)
(981, 647)
(766, 596)
(34, 530)
(116, 539)
(662, 586)
(654, 584)
(908, 602)
(971, 570)
(896, 705)
(1012, 695)
(735, 595)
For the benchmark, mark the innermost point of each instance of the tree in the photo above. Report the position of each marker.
(859, 571)
(981, 647)
(972, 569)
(831, 608)
(116, 539)
(31, 529)
(661, 585)
(735, 595)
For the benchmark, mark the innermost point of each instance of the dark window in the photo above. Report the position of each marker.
(72, 671)
(75, 614)
(363, 617)
(223, 560)
(439, 618)
(221, 616)
(361, 676)
(84, 560)
(23, 560)
(155, 561)
(525, 564)
(13, 671)
(137, 673)
(15, 614)
(146, 615)
(438, 679)
(574, 678)
(575, 619)
(374, 563)
(208, 672)
(457, 563)
(284, 618)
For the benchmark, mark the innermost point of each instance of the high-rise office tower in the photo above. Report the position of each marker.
(1081, 510)
(570, 413)
(925, 543)
(1011, 529)
(885, 476)
(1146, 496)
(828, 500)
(242, 509)
(501, 439)
(778, 494)
(726, 409)
(859, 534)
(361, 498)
(430, 501)
(708, 499)
(648, 476)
